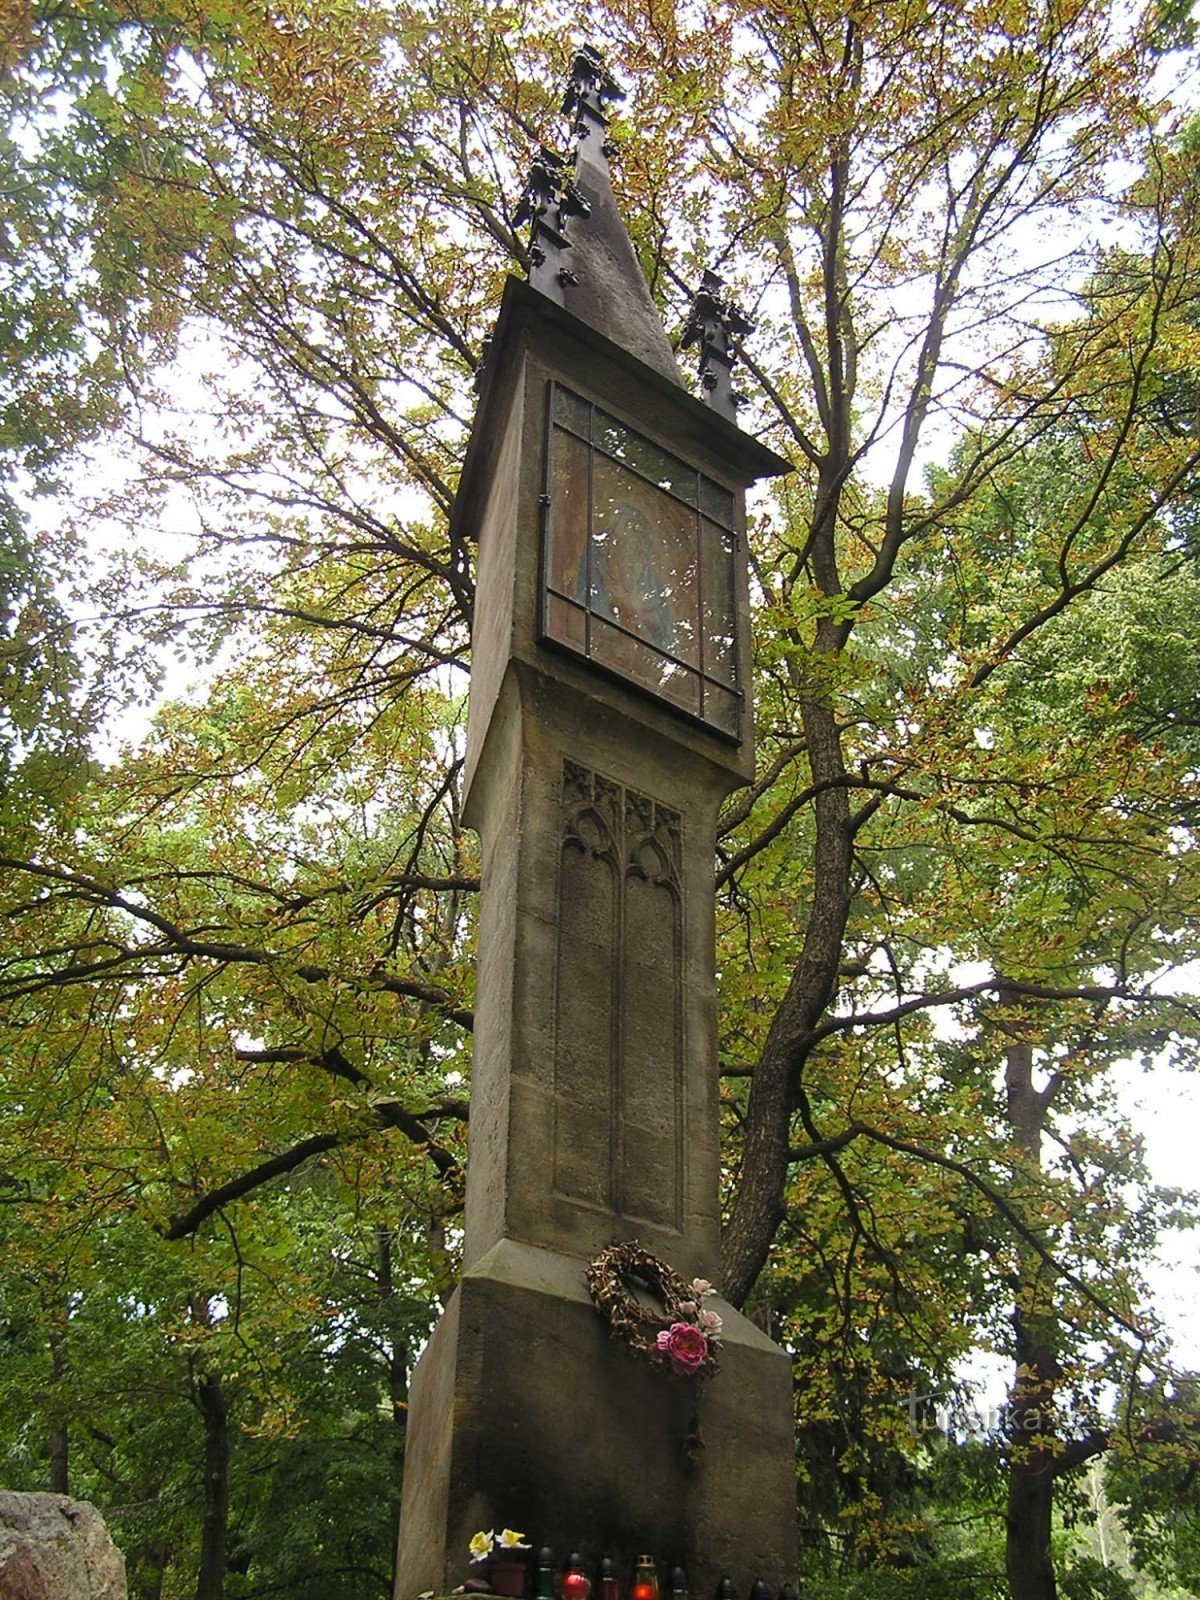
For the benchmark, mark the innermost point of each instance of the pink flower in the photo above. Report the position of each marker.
(685, 1347)
(710, 1321)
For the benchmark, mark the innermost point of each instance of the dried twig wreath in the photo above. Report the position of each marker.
(684, 1339)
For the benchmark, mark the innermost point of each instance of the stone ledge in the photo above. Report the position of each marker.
(609, 1471)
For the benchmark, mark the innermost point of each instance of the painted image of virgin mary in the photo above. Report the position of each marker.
(627, 586)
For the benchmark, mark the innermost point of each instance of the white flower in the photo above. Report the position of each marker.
(481, 1544)
(511, 1540)
(701, 1288)
(687, 1308)
(711, 1322)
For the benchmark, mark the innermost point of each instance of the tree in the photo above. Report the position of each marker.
(313, 208)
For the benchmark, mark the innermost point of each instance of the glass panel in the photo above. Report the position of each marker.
(720, 647)
(665, 470)
(722, 709)
(644, 568)
(566, 567)
(634, 659)
(571, 411)
(716, 502)
(629, 559)
(681, 688)
(566, 623)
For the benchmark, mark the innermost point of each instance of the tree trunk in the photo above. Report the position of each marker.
(214, 1408)
(757, 1207)
(1027, 1561)
(397, 1356)
(1032, 1432)
(158, 1561)
(397, 1371)
(60, 1475)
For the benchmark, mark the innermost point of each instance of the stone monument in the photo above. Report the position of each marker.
(609, 717)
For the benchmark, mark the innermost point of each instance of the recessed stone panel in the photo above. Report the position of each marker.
(585, 1011)
(618, 1050)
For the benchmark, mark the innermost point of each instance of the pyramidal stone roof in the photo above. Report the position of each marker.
(581, 255)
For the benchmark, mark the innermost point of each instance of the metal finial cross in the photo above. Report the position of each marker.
(591, 89)
(549, 201)
(713, 324)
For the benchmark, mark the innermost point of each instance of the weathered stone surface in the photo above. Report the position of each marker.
(594, 1111)
(594, 1095)
(500, 506)
(611, 294)
(525, 1414)
(56, 1548)
(595, 783)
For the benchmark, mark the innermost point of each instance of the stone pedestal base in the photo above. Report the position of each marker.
(524, 1414)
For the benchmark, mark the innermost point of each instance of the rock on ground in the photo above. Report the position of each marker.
(56, 1548)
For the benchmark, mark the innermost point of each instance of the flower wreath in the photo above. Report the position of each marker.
(685, 1339)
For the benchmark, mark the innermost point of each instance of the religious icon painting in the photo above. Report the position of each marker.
(639, 563)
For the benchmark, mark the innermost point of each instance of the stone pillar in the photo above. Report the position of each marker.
(609, 717)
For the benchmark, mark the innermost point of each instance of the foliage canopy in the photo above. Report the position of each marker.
(252, 252)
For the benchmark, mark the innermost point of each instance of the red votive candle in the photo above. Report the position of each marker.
(645, 1580)
(576, 1585)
